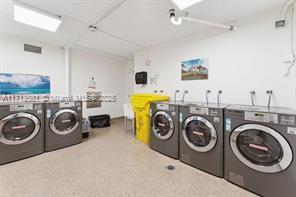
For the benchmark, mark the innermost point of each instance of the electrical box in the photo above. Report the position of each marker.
(280, 23)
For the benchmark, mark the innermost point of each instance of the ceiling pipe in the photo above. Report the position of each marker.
(213, 24)
(178, 21)
(116, 5)
(284, 12)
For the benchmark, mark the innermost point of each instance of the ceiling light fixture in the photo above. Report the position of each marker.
(183, 4)
(173, 18)
(36, 18)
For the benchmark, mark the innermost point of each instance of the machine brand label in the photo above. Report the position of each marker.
(292, 130)
(263, 148)
(199, 110)
(67, 104)
(228, 124)
(162, 107)
(19, 127)
(39, 111)
(198, 133)
(173, 114)
(21, 107)
(160, 124)
(79, 108)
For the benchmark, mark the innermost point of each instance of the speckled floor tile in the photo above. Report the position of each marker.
(110, 163)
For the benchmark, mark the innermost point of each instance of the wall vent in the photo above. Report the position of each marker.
(32, 49)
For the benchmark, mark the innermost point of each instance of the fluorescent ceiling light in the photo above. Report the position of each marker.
(37, 18)
(183, 4)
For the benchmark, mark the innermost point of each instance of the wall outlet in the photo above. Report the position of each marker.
(280, 23)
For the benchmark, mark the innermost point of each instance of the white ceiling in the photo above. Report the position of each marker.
(133, 25)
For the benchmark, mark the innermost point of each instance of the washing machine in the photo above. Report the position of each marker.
(201, 136)
(21, 131)
(164, 135)
(63, 124)
(260, 149)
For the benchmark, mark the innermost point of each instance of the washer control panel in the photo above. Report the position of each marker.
(67, 104)
(162, 107)
(262, 117)
(199, 110)
(21, 107)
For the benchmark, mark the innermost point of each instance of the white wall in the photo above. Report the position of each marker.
(13, 59)
(249, 59)
(129, 80)
(109, 75)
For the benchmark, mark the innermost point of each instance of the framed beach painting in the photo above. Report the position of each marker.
(24, 84)
(196, 69)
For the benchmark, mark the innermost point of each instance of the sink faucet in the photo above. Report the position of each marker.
(175, 95)
(219, 97)
(207, 96)
(253, 93)
(184, 93)
(269, 93)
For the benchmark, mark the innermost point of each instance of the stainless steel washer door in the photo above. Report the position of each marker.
(261, 148)
(64, 121)
(162, 125)
(199, 134)
(18, 128)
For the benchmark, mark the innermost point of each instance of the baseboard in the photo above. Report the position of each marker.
(117, 119)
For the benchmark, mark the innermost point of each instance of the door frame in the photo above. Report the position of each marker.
(171, 122)
(54, 117)
(214, 135)
(3, 121)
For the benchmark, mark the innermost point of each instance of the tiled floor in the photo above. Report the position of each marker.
(110, 163)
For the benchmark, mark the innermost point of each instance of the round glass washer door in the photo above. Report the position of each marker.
(261, 148)
(64, 121)
(162, 125)
(199, 134)
(18, 128)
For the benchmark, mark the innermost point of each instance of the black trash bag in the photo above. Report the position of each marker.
(99, 121)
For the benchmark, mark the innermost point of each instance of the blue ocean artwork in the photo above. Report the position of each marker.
(24, 84)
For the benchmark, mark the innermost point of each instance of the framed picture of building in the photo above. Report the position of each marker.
(196, 69)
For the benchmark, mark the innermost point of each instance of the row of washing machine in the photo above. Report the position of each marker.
(253, 147)
(28, 129)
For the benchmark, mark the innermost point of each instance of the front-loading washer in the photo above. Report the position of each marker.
(21, 131)
(63, 124)
(260, 149)
(164, 135)
(201, 136)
